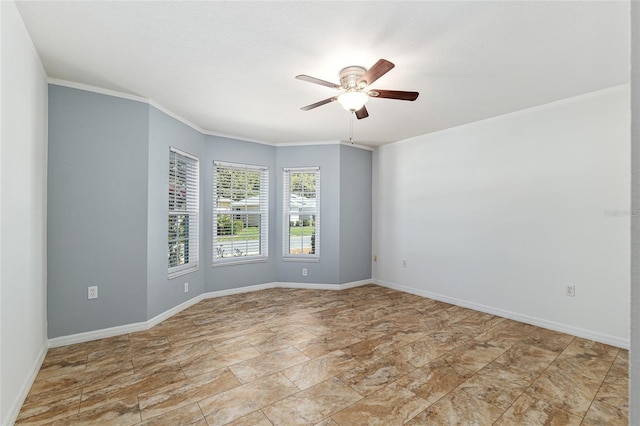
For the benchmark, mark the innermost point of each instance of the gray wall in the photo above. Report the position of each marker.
(327, 157)
(355, 214)
(164, 293)
(634, 397)
(236, 151)
(345, 212)
(97, 210)
(107, 219)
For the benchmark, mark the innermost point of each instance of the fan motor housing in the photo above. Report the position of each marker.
(349, 77)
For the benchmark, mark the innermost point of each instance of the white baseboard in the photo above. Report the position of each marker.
(540, 322)
(97, 334)
(141, 326)
(171, 312)
(16, 405)
(312, 286)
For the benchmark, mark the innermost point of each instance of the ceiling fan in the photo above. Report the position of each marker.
(354, 85)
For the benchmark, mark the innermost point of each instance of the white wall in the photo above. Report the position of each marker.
(23, 96)
(634, 358)
(499, 215)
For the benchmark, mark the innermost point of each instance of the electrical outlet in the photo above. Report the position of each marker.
(304, 272)
(404, 263)
(570, 290)
(186, 287)
(92, 292)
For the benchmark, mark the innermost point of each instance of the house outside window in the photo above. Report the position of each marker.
(240, 213)
(183, 219)
(301, 212)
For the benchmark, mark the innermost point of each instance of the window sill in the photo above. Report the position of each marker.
(239, 262)
(177, 274)
(314, 259)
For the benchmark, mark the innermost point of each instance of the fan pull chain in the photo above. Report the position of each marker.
(351, 127)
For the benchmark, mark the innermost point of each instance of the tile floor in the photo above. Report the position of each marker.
(363, 356)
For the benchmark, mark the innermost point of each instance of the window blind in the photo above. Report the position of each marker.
(240, 213)
(301, 213)
(183, 212)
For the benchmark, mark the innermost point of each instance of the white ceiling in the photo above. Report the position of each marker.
(229, 67)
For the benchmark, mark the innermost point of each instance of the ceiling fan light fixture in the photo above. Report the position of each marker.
(353, 100)
(354, 84)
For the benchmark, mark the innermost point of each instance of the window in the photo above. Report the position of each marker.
(183, 212)
(301, 213)
(240, 213)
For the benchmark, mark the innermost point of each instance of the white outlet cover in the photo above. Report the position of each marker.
(92, 292)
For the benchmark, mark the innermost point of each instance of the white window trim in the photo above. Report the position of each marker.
(263, 212)
(286, 203)
(193, 202)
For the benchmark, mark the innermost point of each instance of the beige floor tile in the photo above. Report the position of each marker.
(117, 352)
(263, 365)
(76, 352)
(41, 413)
(474, 355)
(498, 384)
(185, 392)
(257, 418)
(588, 348)
(123, 412)
(230, 342)
(620, 366)
(550, 340)
(604, 414)
(149, 340)
(615, 388)
(507, 333)
(327, 422)
(614, 391)
(591, 358)
(432, 381)
(99, 393)
(319, 369)
(214, 361)
(480, 320)
(189, 415)
(238, 402)
(529, 411)
(574, 392)
(451, 336)
(424, 351)
(458, 408)
(368, 349)
(52, 388)
(171, 355)
(62, 366)
(392, 405)
(282, 340)
(312, 405)
(529, 358)
(376, 374)
(365, 355)
(327, 343)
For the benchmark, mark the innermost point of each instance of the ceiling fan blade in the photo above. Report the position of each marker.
(317, 104)
(362, 113)
(378, 69)
(394, 94)
(310, 79)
